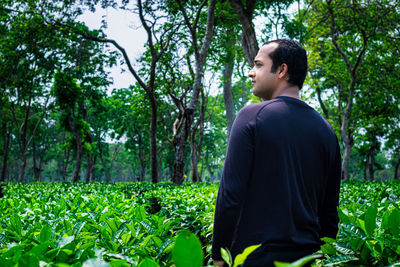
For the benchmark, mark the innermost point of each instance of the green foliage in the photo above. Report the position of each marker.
(187, 250)
(369, 226)
(120, 225)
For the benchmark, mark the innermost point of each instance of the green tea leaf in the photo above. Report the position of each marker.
(298, 263)
(394, 222)
(243, 256)
(65, 241)
(226, 256)
(328, 249)
(28, 260)
(95, 263)
(16, 223)
(339, 259)
(370, 220)
(187, 250)
(45, 234)
(148, 263)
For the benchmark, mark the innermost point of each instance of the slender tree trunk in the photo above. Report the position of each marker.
(36, 169)
(321, 103)
(6, 145)
(142, 162)
(153, 140)
(189, 112)
(92, 172)
(365, 172)
(209, 168)
(396, 170)
(179, 158)
(24, 142)
(196, 148)
(78, 161)
(344, 132)
(22, 166)
(371, 157)
(114, 156)
(228, 95)
(89, 167)
(67, 153)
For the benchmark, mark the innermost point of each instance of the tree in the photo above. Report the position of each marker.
(343, 36)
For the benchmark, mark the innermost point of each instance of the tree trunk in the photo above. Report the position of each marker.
(248, 40)
(24, 142)
(36, 169)
(188, 114)
(228, 95)
(22, 166)
(345, 133)
(89, 168)
(142, 162)
(371, 157)
(396, 170)
(346, 155)
(196, 149)
(365, 172)
(65, 163)
(78, 162)
(321, 103)
(179, 159)
(209, 168)
(153, 141)
(114, 155)
(6, 145)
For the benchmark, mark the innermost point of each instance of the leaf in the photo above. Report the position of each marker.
(65, 241)
(78, 228)
(16, 223)
(240, 258)
(3, 239)
(28, 260)
(370, 220)
(226, 255)
(385, 220)
(95, 263)
(45, 234)
(298, 263)
(338, 259)
(328, 249)
(148, 263)
(39, 249)
(394, 222)
(125, 238)
(165, 246)
(140, 213)
(187, 250)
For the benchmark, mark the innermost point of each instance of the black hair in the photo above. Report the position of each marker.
(294, 56)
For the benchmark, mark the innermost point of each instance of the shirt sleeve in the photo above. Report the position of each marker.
(328, 214)
(235, 176)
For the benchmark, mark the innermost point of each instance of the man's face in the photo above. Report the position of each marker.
(264, 81)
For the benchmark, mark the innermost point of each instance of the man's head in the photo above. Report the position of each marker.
(279, 63)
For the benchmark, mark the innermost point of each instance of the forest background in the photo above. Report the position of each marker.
(62, 119)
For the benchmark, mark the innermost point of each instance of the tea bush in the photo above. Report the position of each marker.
(137, 224)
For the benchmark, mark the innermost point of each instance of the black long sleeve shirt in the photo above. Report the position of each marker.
(281, 179)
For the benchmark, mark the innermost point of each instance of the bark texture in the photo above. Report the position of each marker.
(248, 40)
(183, 132)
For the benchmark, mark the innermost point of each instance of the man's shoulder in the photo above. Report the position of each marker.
(254, 108)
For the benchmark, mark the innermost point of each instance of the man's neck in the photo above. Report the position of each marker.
(288, 90)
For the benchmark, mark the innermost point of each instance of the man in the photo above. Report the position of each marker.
(281, 179)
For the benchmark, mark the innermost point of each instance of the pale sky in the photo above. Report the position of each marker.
(125, 28)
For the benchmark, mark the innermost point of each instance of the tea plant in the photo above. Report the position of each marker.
(140, 224)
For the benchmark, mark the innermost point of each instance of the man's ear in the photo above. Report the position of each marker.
(283, 71)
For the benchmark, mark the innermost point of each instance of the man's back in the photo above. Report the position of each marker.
(281, 180)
